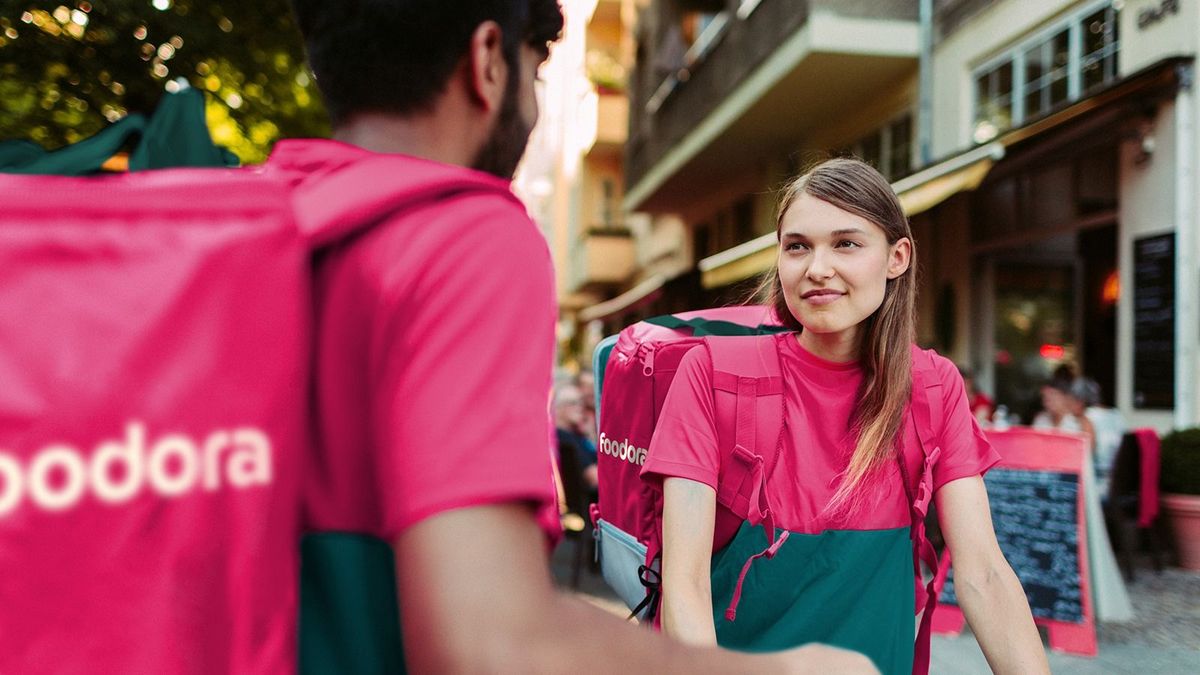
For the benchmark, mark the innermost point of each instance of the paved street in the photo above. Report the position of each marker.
(1165, 637)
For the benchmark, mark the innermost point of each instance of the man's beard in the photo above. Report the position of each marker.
(503, 150)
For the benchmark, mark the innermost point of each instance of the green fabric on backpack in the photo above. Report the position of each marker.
(175, 136)
(847, 588)
(703, 327)
(349, 616)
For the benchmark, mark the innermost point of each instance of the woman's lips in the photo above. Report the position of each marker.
(821, 297)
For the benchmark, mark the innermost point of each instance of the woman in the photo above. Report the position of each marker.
(844, 576)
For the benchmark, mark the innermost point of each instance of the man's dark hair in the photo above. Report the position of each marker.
(396, 56)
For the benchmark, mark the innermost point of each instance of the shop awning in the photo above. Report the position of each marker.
(642, 293)
(740, 262)
(918, 192)
(932, 186)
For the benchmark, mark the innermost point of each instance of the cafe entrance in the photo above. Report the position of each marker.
(1053, 306)
(1044, 236)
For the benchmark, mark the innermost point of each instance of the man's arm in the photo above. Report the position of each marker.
(988, 591)
(476, 596)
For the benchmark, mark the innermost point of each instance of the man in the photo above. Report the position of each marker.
(436, 337)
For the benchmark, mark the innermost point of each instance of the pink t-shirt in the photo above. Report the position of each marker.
(819, 397)
(435, 351)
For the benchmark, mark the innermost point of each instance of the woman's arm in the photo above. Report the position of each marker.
(988, 591)
(689, 516)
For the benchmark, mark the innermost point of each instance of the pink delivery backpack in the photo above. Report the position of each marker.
(634, 373)
(155, 358)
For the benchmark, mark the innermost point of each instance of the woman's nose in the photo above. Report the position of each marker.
(819, 266)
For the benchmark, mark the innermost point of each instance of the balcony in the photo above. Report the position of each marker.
(612, 123)
(601, 260)
(755, 86)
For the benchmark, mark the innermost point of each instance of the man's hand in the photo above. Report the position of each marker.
(814, 659)
(476, 597)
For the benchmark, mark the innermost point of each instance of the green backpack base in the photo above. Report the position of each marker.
(349, 614)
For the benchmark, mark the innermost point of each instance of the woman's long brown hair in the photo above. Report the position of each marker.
(887, 335)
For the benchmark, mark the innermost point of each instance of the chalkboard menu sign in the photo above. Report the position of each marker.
(1154, 322)
(1035, 514)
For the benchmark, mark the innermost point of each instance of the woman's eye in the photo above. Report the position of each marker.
(794, 246)
(846, 243)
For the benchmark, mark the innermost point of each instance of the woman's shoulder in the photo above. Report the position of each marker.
(929, 359)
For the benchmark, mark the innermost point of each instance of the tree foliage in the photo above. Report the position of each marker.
(68, 67)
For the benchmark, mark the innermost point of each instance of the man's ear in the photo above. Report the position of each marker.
(900, 258)
(487, 71)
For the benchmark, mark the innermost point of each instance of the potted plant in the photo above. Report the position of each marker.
(1180, 485)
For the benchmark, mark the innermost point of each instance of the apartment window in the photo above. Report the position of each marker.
(900, 144)
(608, 197)
(1060, 64)
(993, 101)
(1046, 74)
(1100, 42)
(888, 148)
(870, 149)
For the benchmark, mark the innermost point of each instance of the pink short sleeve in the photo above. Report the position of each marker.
(437, 348)
(684, 444)
(965, 450)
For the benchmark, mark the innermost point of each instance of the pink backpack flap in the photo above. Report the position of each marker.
(154, 342)
(635, 382)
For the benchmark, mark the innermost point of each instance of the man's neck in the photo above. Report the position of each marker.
(430, 137)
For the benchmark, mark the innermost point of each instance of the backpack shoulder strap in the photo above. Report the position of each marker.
(748, 367)
(928, 407)
(928, 415)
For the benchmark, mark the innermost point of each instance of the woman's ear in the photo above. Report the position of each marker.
(900, 258)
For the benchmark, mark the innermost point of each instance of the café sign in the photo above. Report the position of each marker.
(1152, 15)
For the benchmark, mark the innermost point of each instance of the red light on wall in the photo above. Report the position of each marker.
(1052, 352)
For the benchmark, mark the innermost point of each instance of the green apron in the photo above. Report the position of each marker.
(847, 588)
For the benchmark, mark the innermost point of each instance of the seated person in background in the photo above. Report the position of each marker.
(982, 406)
(1054, 414)
(587, 389)
(1064, 405)
(569, 421)
(1107, 426)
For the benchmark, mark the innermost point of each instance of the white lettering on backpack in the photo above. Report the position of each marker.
(624, 451)
(59, 475)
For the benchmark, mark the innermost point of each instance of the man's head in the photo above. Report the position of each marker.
(399, 58)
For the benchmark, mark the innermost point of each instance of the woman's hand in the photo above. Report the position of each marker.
(689, 516)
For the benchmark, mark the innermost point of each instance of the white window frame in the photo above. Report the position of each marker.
(1015, 54)
(746, 8)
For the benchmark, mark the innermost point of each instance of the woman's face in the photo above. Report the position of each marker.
(1053, 401)
(834, 266)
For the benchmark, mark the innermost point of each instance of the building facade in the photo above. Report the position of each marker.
(572, 177)
(1051, 181)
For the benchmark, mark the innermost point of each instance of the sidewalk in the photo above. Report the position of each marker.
(1163, 639)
